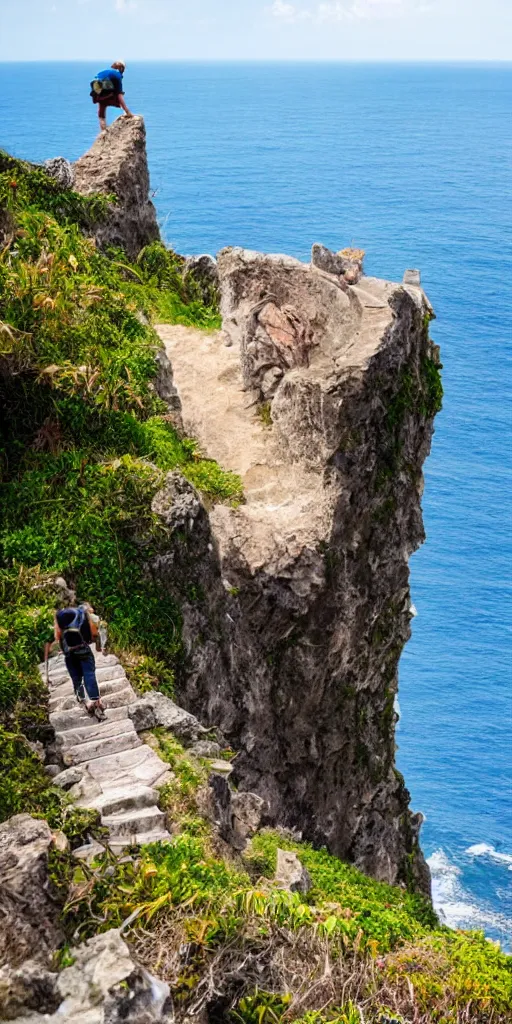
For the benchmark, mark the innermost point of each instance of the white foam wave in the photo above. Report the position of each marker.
(457, 908)
(485, 850)
(398, 713)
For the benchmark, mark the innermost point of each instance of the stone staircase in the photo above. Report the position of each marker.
(108, 767)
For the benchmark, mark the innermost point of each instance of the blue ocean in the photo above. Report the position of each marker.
(413, 164)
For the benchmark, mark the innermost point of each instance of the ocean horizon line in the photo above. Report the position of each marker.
(366, 61)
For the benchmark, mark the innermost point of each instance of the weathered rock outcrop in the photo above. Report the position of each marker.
(290, 874)
(61, 170)
(117, 165)
(28, 912)
(301, 600)
(105, 985)
(155, 709)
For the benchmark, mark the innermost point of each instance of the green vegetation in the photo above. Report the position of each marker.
(385, 949)
(385, 915)
(417, 391)
(178, 797)
(23, 186)
(85, 443)
(264, 413)
(422, 392)
(171, 297)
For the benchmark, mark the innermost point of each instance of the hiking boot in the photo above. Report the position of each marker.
(80, 695)
(96, 708)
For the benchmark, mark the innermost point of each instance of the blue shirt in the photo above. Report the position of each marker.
(115, 77)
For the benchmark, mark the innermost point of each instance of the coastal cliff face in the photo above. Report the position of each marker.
(323, 400)
(117, 165)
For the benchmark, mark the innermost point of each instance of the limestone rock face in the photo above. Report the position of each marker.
(25, 988)
(165, 387)
(103, 986)
(273, 308)
(302, 602)
(117, 165)
(60, 169)
(28, 914)
(290, 874)
(155, 709)
(236, 814)
(347, 266)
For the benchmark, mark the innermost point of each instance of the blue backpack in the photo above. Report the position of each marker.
(72, 638)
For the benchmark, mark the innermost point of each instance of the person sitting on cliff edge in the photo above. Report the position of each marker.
(75, 629)
(107, 91)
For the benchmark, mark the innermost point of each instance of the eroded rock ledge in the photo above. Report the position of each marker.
(323, 400)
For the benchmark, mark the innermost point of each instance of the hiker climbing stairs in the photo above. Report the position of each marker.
(107, 766)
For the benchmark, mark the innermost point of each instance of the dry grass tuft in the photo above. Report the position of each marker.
(412, 984)
(352, 254)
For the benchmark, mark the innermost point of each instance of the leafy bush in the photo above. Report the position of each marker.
(23, 185)
(26, 614)
(173, 297)
(385, 914)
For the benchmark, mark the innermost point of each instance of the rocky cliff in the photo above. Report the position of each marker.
(294, 607)
(322, 395)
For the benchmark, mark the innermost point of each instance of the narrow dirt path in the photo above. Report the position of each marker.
(116, 772)
(216, 409)
(285, 504)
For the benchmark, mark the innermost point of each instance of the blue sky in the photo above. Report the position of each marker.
(254, 29)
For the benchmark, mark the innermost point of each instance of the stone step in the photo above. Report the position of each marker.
(77, 718)
(113, 686)
(101, 747)
(141, 839)
(122, 774)
(111, 700)
(105, 729)
(122, 799)
(132, 823)
(130, 767)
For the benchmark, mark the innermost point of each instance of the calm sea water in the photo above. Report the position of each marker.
(413, 163)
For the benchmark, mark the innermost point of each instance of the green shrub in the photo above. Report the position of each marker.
(23, 185)
(386, 914)
(26, 614)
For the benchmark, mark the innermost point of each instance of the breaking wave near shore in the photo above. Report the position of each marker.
(456, 905)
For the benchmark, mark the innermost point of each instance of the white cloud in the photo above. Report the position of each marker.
(341, 10)
(289, 13)
(123, 6)
(332, 11)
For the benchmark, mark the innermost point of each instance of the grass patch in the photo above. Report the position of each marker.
(84, 443)
(351, 944)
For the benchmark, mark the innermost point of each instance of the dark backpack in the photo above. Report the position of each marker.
(101, 87)
(72, 638)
